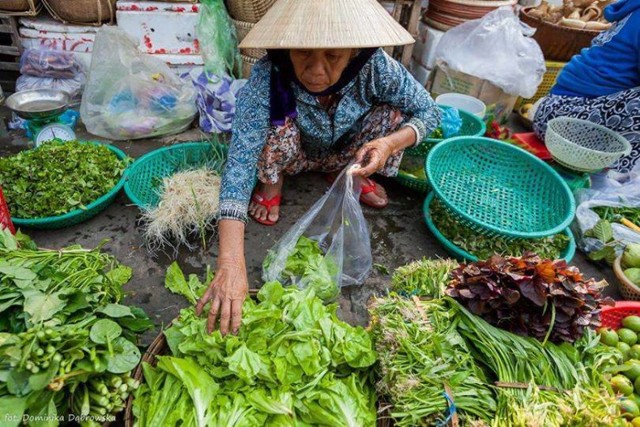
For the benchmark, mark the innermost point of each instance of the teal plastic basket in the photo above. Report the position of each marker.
(145, 174)
(496, 188)
(471, 126)
(462, 255)
(79, 215)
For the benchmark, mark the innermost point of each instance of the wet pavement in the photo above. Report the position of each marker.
(398, 236)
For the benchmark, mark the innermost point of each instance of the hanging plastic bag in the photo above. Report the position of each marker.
(131, 95)
(609, 190)
(497, 48)
(218, 40)
(337, 225)
(216, 99)
(450, 121)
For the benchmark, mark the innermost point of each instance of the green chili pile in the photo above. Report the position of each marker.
(58, 177)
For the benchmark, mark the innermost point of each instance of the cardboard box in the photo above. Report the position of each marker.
(444, 80)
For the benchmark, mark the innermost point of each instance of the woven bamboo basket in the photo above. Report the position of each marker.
(629, 290)
(247, 65)
(248, 10)
(83, 12)
(558, 43)
(20, 7)
(548, 81)
(242, 29)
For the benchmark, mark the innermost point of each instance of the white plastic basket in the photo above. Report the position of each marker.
(584, 146)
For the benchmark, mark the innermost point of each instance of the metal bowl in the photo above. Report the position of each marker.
(38, 103)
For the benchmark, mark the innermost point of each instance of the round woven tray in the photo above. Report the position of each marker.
(79, 215)
(558, 43)
(247, 64)
(248, 10)
(627, 288)
(496, 188)
(242, 29)
(460, 254)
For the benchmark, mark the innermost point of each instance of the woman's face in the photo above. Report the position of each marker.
(318, 69)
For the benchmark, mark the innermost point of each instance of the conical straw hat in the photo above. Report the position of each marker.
(324, 24)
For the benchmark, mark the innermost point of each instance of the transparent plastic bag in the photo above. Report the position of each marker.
(130, 95)
(497, 48)
(54, 64)
(72, 86)
(218, 40)
(337, 224)
(613, 190)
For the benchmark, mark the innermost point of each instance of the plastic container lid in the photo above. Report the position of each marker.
(463, 102)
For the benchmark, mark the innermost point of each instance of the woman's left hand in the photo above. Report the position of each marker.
(372, 157)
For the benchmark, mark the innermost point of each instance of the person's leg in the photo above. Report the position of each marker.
(380, 122)
(619, 112)
(281, 155)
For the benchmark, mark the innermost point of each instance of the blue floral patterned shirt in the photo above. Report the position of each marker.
(382, 80)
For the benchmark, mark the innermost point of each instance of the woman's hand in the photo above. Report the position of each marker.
(372, 157)
(226, 292)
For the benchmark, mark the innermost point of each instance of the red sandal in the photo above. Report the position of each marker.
(369, 187)
(259, 199)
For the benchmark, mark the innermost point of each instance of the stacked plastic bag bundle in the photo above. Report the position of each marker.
(51, 69)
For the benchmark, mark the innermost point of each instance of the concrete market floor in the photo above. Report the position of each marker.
(398, 236)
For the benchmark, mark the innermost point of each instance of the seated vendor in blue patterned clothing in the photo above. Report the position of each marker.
(602, 83)
(326, 97)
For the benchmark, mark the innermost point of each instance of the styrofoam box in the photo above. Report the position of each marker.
(424, 50)
(160, 28)
(44, 33)
(420, 72)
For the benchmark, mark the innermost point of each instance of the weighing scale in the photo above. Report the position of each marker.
(42, 109)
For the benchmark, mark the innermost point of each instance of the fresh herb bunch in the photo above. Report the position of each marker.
(484, 247)
(547, 385)
(307, 266)
(66, 343)
(58, 177)
(293, 361)
(425, 278)
(530, 296)
(422, 360)
(615, 214)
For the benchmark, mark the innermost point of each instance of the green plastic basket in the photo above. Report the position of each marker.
(146, 173)
(496, 188)
(471, 126)
(462, 255)
(79, 215)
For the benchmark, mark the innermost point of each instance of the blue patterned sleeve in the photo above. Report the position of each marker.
(248, 136)
(394, 85)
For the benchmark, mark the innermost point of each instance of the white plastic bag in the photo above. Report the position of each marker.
(607, 190)
(497, 48)
(336, 222)
(130, 95)
(72, 86)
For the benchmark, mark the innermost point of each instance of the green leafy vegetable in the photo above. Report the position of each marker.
(426, 278)
(66, 344)
(58, 177)
(484, 247)
(292, 362)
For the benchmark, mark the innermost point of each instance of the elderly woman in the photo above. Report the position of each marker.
(602, 83)
(323, 98)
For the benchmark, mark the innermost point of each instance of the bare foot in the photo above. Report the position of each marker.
(377, 198)
(268, 192)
